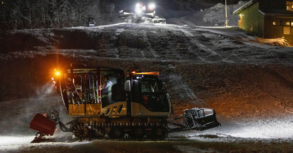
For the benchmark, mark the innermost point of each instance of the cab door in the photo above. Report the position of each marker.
(135, 99)
(62, 89)
(85, 83)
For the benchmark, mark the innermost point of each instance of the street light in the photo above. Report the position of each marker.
(226, 13)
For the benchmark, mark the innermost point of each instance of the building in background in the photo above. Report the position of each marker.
(267, 18)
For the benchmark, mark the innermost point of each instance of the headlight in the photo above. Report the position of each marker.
(152, 6)
(137, 5)
(138, 10)
(56, 72)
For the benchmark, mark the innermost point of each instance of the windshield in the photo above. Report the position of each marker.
(150, 84)
(153, 96)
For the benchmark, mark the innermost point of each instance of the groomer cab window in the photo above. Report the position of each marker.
(88, 90)
(149, 86)
(153, 96)
(112, 86)
(85, 83)
(81, 86)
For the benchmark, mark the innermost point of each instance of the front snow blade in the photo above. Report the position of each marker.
(43, 125)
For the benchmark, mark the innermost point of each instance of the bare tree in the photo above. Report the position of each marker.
(79, 9)
(13, 16)
(26, 13)
(65, 13)
(54, 9)
(21, 14)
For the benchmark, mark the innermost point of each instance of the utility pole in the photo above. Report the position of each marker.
(226, 13)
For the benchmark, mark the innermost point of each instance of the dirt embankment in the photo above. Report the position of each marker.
(242, 91)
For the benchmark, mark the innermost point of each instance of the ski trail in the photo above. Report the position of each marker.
(195, 42)
(203, 47)
(187, 33)
(154, 53)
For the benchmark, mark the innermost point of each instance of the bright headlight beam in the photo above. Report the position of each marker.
(152, 6)
(138, 10)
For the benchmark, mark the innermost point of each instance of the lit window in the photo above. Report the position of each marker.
(2, 3)
(288, 7)
(285, 22)
(286, 30)
(277, 22)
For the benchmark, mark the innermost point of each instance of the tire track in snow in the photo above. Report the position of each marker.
(118, 33)
(202, 46)
(154, 53)
(188, 34)
(195, 42)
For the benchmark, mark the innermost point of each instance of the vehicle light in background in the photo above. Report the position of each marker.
(133, 72)
(56, 72)
(138, 5)
(152, 6)
(138, 10)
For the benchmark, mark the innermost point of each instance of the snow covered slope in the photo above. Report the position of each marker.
(247, 82)
(144, 41)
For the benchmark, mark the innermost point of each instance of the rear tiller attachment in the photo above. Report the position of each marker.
(196, 119)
